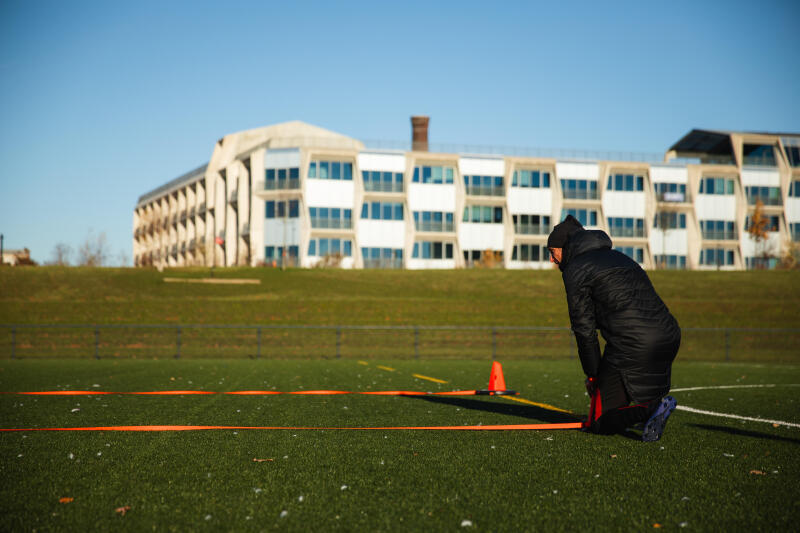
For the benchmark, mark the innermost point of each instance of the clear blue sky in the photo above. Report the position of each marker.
(104, 101)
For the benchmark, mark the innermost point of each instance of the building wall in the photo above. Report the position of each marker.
(218, 217)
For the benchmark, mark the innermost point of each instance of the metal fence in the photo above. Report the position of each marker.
(97, 341)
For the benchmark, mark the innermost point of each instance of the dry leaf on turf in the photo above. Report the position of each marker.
(261, 460)
(122, 510)
(65, 500)
(758, 472)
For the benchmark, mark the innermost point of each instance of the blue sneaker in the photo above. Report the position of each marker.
(654, 427)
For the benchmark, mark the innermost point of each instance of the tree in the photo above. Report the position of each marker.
(60, 256)
(759, 225)
(94, 251)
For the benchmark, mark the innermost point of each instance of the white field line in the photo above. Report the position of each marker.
(737, 417)
(721, 387)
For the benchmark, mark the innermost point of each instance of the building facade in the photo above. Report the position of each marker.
(298, 195)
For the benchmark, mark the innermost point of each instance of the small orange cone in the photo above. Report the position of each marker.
(497, 383)
(496, 379)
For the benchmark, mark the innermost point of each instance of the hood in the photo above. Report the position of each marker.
(583, 241)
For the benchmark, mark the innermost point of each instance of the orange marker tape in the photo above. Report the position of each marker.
(502, 427)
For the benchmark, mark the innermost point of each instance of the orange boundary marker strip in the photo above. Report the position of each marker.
(247, 393)
(503, 427)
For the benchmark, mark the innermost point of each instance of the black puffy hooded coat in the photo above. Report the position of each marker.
(609, 291)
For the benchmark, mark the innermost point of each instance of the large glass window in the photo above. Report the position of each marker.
(483, 214)
(484, 185)
(281, 178)
(330, 218)
(716, 257)
(670, 192)
(767, 195)
(625, 182)
(382, 181)
(669, 220)
(536, 179)
(634, 252)
(433, 174)
(762, 155)
(718, 230)
(794, 189)
(579, 189)
(794, 231)
(330, 170)
(773, 222)
(531, 224)
(713, 185)
(626, 227)
(670, 261)
(330, 246)
(530, 253)
(587, 217)
(382, 257)
(433, 221)
(281, 209)
(382, 211)
(432, 250)
(280, 256)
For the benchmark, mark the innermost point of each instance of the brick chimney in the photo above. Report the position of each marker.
(419, 133)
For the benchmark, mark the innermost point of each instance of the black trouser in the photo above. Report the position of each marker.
(613, 410)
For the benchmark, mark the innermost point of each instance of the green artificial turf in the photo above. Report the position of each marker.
(707, 473)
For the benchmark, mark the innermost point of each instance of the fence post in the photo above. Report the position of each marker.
(96, 342)
(178, 343)
(13, 343)
(338, 342)
(494, 344)
(258, 336)
(727, 344)
(416, 342)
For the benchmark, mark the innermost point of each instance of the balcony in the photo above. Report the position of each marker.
(183, 247)
(714, 235)
(765, 200)
(434, 226)
(383, 186)
(202, 240)
(482, 190)
(580, 194)
(383, 263)
(331, 223)
(278, 185)
(183, 217)
(174, 250)
(191, 212)
(672, 197)
(192, 245)
(245, 230)
(201, 210)
(175, 219)
(532, 229)
(233, 198)
(630, 233)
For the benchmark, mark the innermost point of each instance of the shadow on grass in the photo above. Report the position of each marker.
(745, 433)
(532, 411)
